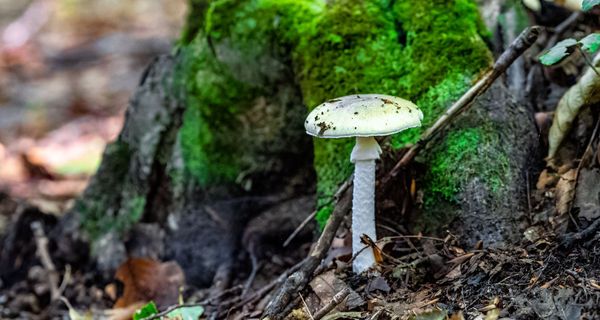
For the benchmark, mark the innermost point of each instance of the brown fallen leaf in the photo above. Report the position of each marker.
(326, 285)
(565, 192)
(149, 280)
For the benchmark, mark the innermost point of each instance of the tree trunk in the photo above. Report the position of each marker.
(214, 135)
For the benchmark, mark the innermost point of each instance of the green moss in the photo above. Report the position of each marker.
(425, 51)
(234, 63)
(215, 95)
(464, 154)
(212, 99)
(96, 216)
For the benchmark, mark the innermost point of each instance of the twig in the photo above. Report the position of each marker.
(561, 28)
(66, 279)
(300, 278)
(588, 61)
(570, 239)
(337, 299)
(522, 43)
(306, 307)
(300, 227)
(255, 266)
(263, 291)
(41, 243)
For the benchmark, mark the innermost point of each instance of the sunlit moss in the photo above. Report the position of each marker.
(425, 51)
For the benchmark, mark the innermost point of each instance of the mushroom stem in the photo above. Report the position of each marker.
(364, 154)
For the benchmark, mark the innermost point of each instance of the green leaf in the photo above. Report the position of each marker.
(145, 311)
(186, 313)
(591, 43)
(588, 5)
(558, 52)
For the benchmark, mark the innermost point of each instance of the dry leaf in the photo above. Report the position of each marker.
(454, 273)
(565, 191)
(546, 180)
(149, 280)
(326, 285)
(377, 253)
(585, 92)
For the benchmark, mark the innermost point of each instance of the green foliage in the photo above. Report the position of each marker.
(590, 43)
(588, 5)
(183, 313)
(557, 53)
(186, 313)
(146, 311)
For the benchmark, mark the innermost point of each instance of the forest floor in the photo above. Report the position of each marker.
(67, 96)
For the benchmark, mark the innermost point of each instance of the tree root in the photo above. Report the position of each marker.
(568, 240)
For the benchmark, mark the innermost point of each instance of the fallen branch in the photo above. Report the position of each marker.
(299, 279)
(516, 49)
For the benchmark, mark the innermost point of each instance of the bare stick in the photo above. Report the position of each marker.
(300, 227)
(522, 43)
(337, 299)
(41, 243)
(297, 281)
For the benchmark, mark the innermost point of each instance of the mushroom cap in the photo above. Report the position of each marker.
(362, 115)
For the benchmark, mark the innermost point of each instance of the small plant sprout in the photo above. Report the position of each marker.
(363, 116)
(588, 45)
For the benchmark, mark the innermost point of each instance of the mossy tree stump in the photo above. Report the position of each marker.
(220, 123)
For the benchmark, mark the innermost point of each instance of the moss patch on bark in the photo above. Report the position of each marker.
(425, 51)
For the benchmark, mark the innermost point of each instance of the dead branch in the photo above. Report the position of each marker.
(337, 299)
(299, 228)
(297, 281)
(516, 49)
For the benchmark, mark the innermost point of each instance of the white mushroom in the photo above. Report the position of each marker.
(363, 116)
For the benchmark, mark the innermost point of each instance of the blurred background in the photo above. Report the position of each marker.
(67, 70)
